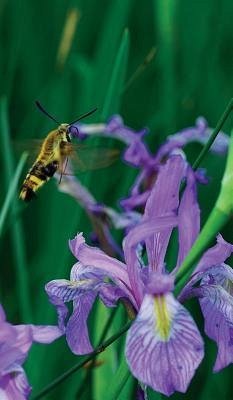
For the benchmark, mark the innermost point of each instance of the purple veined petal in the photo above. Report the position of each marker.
(140, 234)
(110, 294)
(76, 329)
(62, 310)
(164, 346)
(163, 201)
(212, 262)
(92, 256)
(9, 354)
(216, 255)
(188, 218)
(80, 272)
(217, 309)
(14, 385)
(69, 290)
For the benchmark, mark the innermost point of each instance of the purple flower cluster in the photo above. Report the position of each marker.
(164, 346)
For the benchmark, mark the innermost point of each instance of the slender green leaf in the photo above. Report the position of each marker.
(113, 95)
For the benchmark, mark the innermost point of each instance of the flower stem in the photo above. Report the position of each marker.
(99, 349)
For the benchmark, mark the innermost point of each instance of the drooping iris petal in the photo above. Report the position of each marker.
(215, 296)
(188, 218)
(164, 346)
(163, 201)
(76, 330)
(212, 262)
(85, 284)
(217, 309)
(216, 255)
(97, 259)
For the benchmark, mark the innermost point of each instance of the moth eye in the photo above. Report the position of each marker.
(73, 131)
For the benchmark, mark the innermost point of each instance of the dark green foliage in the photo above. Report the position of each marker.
(191, 75)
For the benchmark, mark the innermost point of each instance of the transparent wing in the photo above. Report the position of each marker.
(31, 146)
(87, 158)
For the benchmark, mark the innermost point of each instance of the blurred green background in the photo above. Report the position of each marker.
(74, 56)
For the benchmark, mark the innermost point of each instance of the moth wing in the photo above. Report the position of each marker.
(86, 158)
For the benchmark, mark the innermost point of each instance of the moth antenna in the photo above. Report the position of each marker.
(84, 116)
(41, 108)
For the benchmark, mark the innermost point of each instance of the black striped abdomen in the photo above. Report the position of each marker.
(36, 177)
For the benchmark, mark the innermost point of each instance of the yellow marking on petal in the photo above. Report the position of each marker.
(163, 320)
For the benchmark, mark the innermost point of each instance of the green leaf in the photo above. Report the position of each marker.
(115, 387)
(112, 99)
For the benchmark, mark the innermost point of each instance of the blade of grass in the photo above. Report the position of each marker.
(16, 230)
(112, 99)
(11, 191)
(116, 385)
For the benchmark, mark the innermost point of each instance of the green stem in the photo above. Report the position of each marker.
(214, 224)
(84, 384)
(99, 349)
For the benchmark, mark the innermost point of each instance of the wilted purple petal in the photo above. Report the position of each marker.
(199, 133)
(163, 346)
(137, 154)
(76, 330)
(135, 200)
(163, 201)
(188, 218)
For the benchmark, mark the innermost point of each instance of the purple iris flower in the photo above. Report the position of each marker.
(164, 346)
(138, 154)
(15, 343)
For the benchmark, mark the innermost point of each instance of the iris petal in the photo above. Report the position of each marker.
(163, 346)
(163, 201)
(77, 331)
